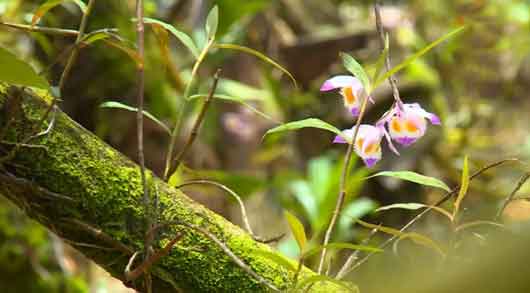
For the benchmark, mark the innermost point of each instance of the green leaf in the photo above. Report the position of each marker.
(277, 258)
(340, 245)
(356, 69)
(118, 105)
(17, 72)
(320, 278)
(310, 122)
(132, 53)
(298, 230)
(212, 21)
(258, 55)
(415, 237)
(234, 99)
(380, 63)
(414, 177)
(414, 206)
(50, 4)
(464, 184)
(417, 55)
(95, 36)
(181, 36)
(473, 224)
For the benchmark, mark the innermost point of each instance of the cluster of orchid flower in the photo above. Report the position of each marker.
(403, 123)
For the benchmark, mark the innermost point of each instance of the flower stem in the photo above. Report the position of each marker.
(342, 187)
(381, 31)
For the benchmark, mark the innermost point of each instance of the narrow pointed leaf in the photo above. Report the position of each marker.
(479, 223)
(118, 105)
(464, 184)
(234, 99)
(132, 53)
(258, 55)
(212, 22)
(321, 278)
(15, 71)
(297, 229)
(418, 54)
(356, 69)
(46, 6)
(415, 237)
(340, 245)
(181, 36)
(310, 122)
(414, 206)
(414, 177)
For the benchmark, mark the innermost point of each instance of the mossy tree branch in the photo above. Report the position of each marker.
(75, 177)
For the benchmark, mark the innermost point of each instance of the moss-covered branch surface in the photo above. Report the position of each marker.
(74, 177)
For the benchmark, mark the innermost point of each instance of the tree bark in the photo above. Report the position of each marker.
(89, 194)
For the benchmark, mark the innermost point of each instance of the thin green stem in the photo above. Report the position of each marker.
(75, 51)
(381, 31)
(342, 187)
(40, 29)
(197, 124)
(180, 115)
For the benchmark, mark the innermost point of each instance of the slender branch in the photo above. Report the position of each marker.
(131, 275)
(424, 212)
(510, 197)
(42, 29)
(148, 259)
(99, 234)
(342, 186)
(71, 60)
(241, 206)
(381, 31)
(75, 51)
(197, 124)
(180, 115)
(231, 254)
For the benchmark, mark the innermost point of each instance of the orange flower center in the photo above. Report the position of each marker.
(348, 95)
(373, 148)
(411, 126)
(395, 125)
(360, 142)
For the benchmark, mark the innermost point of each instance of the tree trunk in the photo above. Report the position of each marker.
(76, 185)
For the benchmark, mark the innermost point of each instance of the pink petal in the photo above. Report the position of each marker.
(341, 81)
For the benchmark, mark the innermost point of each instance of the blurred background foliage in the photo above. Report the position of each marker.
(479, 83)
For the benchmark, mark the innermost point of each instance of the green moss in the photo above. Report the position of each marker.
(107, 194)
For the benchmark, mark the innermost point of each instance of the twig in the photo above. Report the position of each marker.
(424, 212)
(131, 275)
(197, 124)
(229, 252)
(180, 115)
(240, 202)
(27, 184)
(510, 197)
(41, 29)
(381, 31)
(99, 234)
(71, 60)
(342, 186)
(140, 42)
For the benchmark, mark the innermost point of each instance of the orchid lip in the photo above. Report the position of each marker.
(405, 141)
(370, 162)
